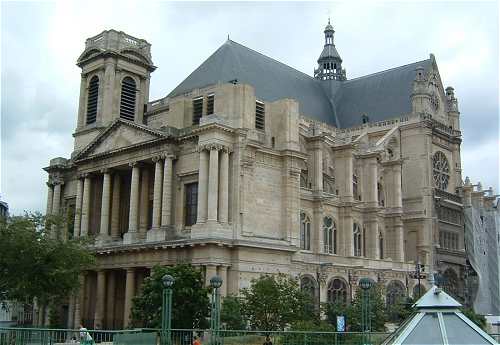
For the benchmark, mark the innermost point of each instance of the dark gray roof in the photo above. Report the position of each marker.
(329, 51)
(271, 79)
(380, 96)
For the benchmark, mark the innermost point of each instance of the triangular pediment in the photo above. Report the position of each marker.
(120, 135)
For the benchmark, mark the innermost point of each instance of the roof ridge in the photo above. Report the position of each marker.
(386, 70)
(270, 58)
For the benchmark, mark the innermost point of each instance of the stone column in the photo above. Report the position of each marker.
(144, 203)
(213, 185)
(84, 228)
(372, 242)
(100, 299)
(347, 234)
(78, 207)
(369, 181)
(399, 254)
(115, 208)
(317, 165)
(50, 198)
(224, 186)
(56, 201)
(133, 225)
(71, 312)
(110, 299)
(78, 301)
(203, 187)
(105, 206)
(157, 193)
(343, 175)
(210, 271)
(166, 202)
(398, 195)
(129, 294)
(222, 272)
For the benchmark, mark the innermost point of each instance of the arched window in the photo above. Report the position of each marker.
(395, 292)
(308, 286)
(440, 170)
(127, 102)
(337, 291)
(357, 239)
(450, 283)
(92, 98)
(329, 236)
(418, 291)
(305, 232)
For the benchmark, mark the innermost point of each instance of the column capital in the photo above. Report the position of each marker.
(169, 156)
(130, 269)
(133, 164)
(213, 146)
(105, 171)
(157, 159)
(50, 184)
(82, 176)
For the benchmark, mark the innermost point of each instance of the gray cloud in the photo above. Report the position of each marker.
(41, 41)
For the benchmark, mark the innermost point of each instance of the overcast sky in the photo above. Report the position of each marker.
(41, 41)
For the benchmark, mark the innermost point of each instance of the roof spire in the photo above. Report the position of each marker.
(329, 62)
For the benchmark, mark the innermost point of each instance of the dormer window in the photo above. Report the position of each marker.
(127, 102)
(210, 104)
(197, 110)
(92, 97)
(260, 113)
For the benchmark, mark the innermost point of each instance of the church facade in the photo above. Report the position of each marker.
(251, 167)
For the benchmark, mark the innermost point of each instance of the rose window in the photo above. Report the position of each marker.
(441, 170)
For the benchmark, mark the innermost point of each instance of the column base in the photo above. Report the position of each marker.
(211, 229)
(131, 237)
(156, 235)
(102, 239)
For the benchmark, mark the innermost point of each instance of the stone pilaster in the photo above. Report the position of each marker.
(84, 228)
(78, 207)
(78, 302)
(203, 187)
(166, 203)
(369, 180)
(144, 203)
(129, 295)
(317, 154)
(56, 201)
(71, 312)
(399, 254)
(398, 195)
(105, 207)
(100, 299)
(224, 186)
(372, 242)
(115, 208)
(213, 184)
(50, 198)
(132, 234)
(110, 299)
(347, 234)
(222, 272)
(157, 193)
(343, 175)
(210, 271)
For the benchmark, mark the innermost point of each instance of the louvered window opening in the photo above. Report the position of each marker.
(260, 113)
(197, 110)
(93, 96)
(210, 104)
(127, 103)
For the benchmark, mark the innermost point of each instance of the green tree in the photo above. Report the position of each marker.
(273, 302)
(190, 301)
(353, 311)
(479, 320)
(232, 313)
(37, 263)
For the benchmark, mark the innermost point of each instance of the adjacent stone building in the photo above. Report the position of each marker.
(249, 166)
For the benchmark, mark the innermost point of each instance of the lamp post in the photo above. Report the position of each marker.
(166, 317)
(215, 283)
(365, 284)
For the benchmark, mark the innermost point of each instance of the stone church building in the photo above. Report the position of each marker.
(249, 167)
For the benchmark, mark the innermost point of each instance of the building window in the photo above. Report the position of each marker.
(355, 190)
(448, 240)
(197, 110)
(210, 104)
(357, 239)
(308, 286)
(337, 291)
(191, 203)
(381, 195)
(440, 170)
(305, 232)
(381, 246)
(395, 293)
(329, 236)
(92, 97)
(127, 102)
(260, 113)
(304, 179)
(328, 184)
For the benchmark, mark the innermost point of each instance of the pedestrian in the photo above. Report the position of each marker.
(196, 340)
(85, 337)
(268, 341)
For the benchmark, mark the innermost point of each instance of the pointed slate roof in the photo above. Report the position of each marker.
(271, 79)
(380, 96)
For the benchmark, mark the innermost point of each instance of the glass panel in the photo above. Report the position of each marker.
(459, 332)
(427, 331)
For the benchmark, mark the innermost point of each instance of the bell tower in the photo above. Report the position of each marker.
(115, 77)
(329, 62)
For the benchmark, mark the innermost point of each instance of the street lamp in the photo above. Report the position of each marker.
(166, 317)
(365, 284)
(215, 283)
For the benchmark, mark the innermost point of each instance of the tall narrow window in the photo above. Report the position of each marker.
(329, 236)
(355, 187)
(127, 102)
(357, 240)
(210, 104)
(381, 246)
(260, 115)
(305, 232)
(197, 110)
(191, 203)
(92, 98)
